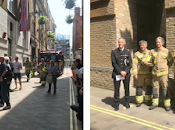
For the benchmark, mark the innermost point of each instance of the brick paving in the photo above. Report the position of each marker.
(34, 109)
(103, 99)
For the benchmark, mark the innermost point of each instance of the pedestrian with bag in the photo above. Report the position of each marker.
(53, 70)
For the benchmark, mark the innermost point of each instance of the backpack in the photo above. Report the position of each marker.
(8, 75)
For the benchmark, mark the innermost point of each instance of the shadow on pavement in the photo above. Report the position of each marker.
(110, 101)
(40, 110)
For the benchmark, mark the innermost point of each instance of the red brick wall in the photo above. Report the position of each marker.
(77, 30)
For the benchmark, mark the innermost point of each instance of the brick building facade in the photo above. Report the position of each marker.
(77, 32)
(134, 20)
(24, 43)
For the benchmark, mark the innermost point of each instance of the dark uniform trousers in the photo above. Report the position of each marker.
(118, 57)
(117, 90)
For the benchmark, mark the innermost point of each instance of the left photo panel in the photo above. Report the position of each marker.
(41, 64)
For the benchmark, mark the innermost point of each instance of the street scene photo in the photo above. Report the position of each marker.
(41, 65)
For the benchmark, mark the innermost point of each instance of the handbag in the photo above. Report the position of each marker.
(49, 78)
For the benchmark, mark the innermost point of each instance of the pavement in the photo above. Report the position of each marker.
(33, 109)
(103, 116)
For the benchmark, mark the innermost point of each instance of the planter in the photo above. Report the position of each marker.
(70, 4)
(69, 19)
(42, 20)
(50, 34)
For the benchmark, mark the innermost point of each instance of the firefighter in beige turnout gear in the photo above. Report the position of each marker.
(32, 72)
(162, 62)
(43, 72)
(28, 67)
(142, 74)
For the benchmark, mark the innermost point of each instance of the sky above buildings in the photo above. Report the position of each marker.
(59, 13)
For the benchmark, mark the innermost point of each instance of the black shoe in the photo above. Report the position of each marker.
(152, 107)
(54, 92)
(6, 107)
(74, 108)
(48, 91)
(10, 90)
(167, 108)
(116, 107)
(138, 104)
(148, 103)
(127, 105)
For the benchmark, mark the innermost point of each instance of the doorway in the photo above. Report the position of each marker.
(9, 47)
(150, 21)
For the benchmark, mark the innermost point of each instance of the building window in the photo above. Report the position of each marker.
(33, 9)
(12, 4)
(33, 28)
(11, 26)
(24, 39)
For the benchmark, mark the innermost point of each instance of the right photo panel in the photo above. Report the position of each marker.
(132, 50)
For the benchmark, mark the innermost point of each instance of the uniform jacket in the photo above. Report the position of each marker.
(163, 61)
(42, 73)
(28, 67)
(117, 58)
(33, 66)
(138, 62)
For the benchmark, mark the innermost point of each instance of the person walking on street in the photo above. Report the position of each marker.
(142, 74)
(4, 86)
(17, 73)
(33, 68)
(43, 72)
(162, 62)
(28, 67)
(53, 69)
(122, 63)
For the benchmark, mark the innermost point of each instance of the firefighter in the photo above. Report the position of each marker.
(28, 67)
(43, 71)
(33, 68)
(162, 62)
(142, 74)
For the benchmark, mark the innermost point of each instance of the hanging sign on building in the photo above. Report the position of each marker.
(24, 14)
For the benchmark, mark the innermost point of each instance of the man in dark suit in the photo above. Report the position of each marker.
(122, 63)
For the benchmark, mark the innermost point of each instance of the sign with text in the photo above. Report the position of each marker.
(24, 14)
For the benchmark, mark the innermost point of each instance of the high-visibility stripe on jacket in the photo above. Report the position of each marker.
(163, 60)
(138, 62)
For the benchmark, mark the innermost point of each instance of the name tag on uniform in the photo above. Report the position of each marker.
(119, 77)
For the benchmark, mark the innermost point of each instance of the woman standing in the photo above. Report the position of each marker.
(53, 69)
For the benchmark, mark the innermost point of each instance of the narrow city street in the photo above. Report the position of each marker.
(103, 116)
(34, 109)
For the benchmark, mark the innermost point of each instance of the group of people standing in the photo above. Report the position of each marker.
(77, 71)
(150, 70)
(9, 69)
